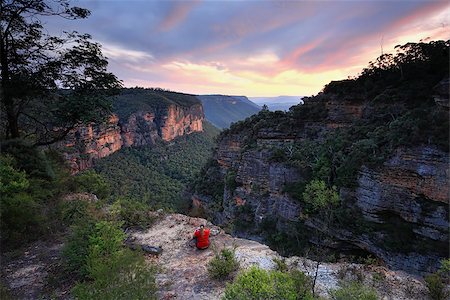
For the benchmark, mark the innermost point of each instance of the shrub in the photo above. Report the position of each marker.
(132, 213)
(223, 264)
(123, 276)
(280, 265)
(354, 290)
(91, 182)
(257, 283)
(116, 272)
(78, 210)
(302, 284)
(230, 180)
(318, 196)
(4, 292)
(278, 155)
(76, 248)
(444, 270)
(436, 287)
(20, 215)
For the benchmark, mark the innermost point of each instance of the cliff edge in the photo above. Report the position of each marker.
(184, 272)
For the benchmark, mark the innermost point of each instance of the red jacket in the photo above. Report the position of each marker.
(202, 241)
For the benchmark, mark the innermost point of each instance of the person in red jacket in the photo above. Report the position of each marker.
(201, 237)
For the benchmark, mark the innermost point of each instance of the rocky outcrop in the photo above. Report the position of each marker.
(141, 128)
(184, 272)
(404, 201)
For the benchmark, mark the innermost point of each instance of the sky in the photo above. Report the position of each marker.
(251, 48)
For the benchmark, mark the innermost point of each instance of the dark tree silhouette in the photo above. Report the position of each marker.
(49, 84)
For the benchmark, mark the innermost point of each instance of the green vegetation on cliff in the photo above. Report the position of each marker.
(158, 176)
(391, 105)
(149, 99)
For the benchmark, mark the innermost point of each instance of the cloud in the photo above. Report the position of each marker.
(177, 14)
(123, 54)
(253, 48)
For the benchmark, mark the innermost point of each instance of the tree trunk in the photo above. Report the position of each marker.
(316, 273)
(7, 99)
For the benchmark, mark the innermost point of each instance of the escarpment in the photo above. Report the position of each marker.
(140, 118)
(388, 161)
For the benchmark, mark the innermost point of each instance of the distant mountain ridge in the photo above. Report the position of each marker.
(222, 110)
(278, 102)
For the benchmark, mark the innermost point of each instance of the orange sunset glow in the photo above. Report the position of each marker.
(255, 48)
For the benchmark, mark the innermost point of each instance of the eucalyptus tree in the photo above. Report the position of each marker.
(49, 83)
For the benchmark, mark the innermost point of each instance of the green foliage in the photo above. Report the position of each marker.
(210, 183)
(39, 65)
(95, 253)
(76, 249)
(445, 269)
(223, 264)
(11, 180)
(302, 284)
(30, 183)
(125, 276)
(158, 176)
(132, 213)
(354, 290)
(115, 272)
(4, 293)
(104, 242)
(230, 180)
(149, 99)
(255, 284)
(317, 196)
(18, 208)
(77, 211)
(436, 287)
(280, 265)
(278, 155)
(91, 182)
(437, 282)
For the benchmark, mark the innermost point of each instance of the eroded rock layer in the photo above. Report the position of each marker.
(140, 128)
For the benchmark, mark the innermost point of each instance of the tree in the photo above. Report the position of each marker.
(321, 201)
(49, 84)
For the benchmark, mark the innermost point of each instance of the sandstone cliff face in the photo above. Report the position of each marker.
(141, 128)
(407, 195)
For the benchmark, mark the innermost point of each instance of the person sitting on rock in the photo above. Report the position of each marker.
(201, 237)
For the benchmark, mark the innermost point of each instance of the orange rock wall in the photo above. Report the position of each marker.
(87, 143)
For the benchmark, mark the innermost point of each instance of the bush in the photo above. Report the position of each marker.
(280, 265)
(354, 290)
(78, 210)
(257, 283)
(223, 264)
(230, 180)
(132, 213)
(116, 272)
(20, 215)
(4, 292)
(91, 182)
(123, 276)
(76, 248)
(436, 287)
(318, 196)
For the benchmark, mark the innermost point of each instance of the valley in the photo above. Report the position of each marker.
(142, 160)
